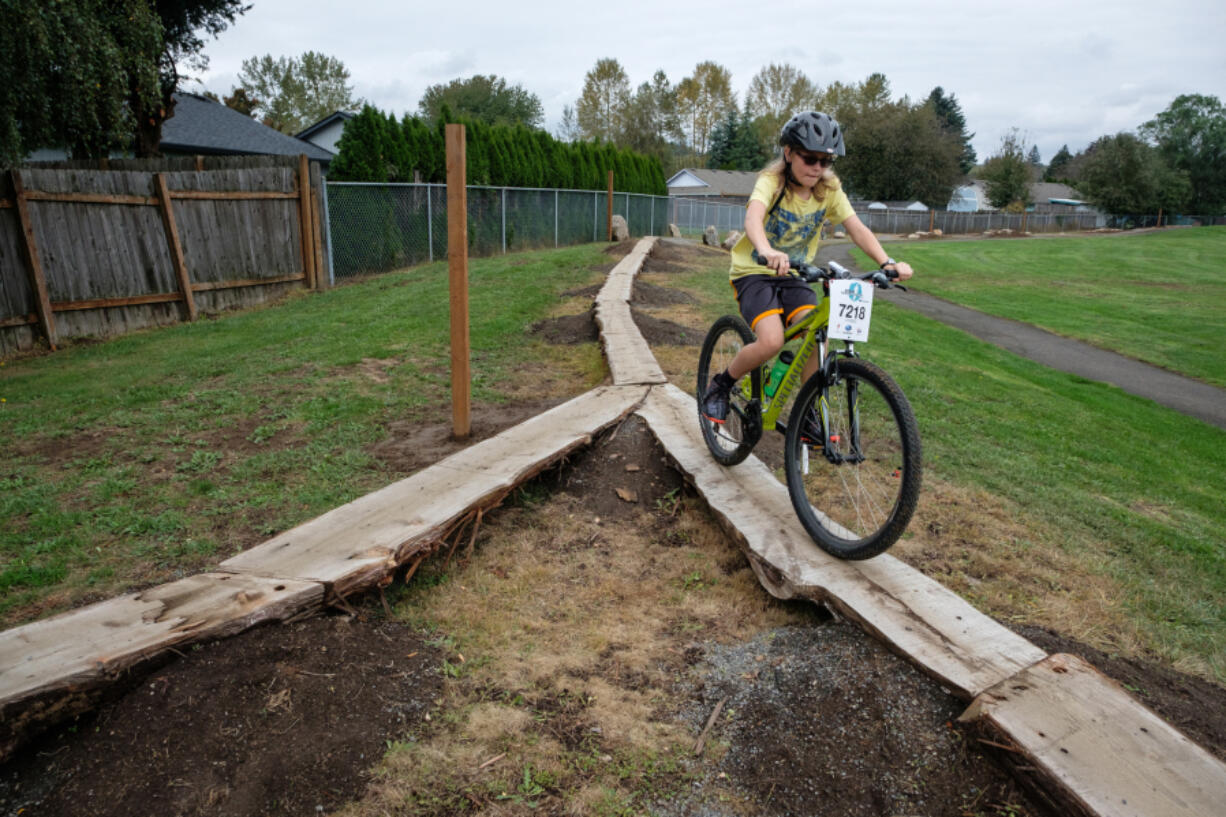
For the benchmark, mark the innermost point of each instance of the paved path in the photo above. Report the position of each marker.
(1191, 397)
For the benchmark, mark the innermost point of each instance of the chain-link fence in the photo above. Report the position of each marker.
(378, 227)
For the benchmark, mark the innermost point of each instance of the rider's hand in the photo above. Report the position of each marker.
(904, 269)
(776, 260)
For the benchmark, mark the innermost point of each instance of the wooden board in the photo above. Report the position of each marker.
(620, 283)
(629, 357)
(941, 633)
(1094, 742)
(357, 544)
(53, 668)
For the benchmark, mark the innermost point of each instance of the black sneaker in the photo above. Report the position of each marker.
(715, 402)
(811, 429)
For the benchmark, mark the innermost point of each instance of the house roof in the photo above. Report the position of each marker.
(200, 125)
(338, 116)
(715, 182)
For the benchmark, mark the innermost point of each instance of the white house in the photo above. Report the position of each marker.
(326, 133)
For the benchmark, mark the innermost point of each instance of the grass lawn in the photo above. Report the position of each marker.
(1158, 297)
(158, 454)
(1050, 499)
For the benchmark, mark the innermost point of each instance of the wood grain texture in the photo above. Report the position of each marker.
(1094, 742)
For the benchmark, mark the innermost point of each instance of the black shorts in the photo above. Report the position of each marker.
(783, 295)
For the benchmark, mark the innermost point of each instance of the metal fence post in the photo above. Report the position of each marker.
(429, 224)
(328, 236)
(555, 218)
(595, 214)
(504, 221)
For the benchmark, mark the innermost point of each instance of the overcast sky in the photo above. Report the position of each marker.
(1063, 71)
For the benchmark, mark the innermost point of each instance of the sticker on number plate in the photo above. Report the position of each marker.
(851, 309)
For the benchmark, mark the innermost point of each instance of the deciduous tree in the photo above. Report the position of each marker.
(294, 92)
(75, 73)
(1007, 173)
(1125, 176)
(898, 151)
(485, 98)
(703, 99)
(1059, 163)
(776, 93)
(602, 103)
(1191, 133)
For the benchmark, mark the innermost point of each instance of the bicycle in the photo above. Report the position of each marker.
(857, 492)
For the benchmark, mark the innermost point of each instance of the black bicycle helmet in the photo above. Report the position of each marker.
(813, 131)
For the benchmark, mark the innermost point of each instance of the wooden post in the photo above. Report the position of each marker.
(457, 262)
(304, 220)
(608, 216)
(1025, 216)
(1159, 216)
(172, 243)
(38, 282)
(932, 218)
(199, 163)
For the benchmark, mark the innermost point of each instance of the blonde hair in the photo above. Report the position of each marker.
(827, 184)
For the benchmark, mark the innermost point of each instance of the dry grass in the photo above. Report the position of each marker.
(565, 633)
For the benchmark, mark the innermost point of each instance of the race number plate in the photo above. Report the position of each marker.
(851, 309)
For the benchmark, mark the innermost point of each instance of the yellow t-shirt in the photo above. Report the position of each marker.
(795, 227)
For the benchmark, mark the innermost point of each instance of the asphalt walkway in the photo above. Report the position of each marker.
(1184, 394)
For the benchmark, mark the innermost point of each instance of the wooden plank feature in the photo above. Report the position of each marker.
(103, 303)
(1105, 751)
(356, 545)
(304, 219)
(56, 667)
(173, 245)
(232, 195)
(940, 632)
(38, 281)
(209, 286)
(457, 266)
(629, 357)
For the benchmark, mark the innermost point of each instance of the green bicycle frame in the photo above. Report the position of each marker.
(813, 324)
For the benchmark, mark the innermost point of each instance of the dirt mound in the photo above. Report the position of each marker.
(279, 720)
(568, 329)
(651, 295)
(678, 255)
(621, 248)
(584, 292)
(661, 332)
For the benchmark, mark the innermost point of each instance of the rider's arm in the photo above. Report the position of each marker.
(755, 231)
(863, 237)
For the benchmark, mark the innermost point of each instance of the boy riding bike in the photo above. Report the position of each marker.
(792, 197)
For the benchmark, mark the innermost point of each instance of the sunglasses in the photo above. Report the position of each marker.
(812, 159)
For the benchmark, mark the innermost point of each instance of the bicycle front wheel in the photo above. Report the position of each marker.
(731, 441)
(856, 489)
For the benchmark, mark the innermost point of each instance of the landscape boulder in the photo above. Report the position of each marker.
(710, 236)
(840, 234)
(620, 231)
(731, 239)
(674, 231)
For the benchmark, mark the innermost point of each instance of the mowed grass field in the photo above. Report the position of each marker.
(1157, 297)
(134, 461)
(147, 457)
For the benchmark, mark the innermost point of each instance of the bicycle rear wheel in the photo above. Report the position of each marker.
(854, 494)
(731, 441)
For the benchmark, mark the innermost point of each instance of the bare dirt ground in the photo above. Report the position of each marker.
(569, 667)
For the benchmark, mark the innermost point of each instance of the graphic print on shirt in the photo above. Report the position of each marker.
(791, 233)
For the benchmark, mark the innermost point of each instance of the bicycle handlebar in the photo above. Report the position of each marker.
(811, 273)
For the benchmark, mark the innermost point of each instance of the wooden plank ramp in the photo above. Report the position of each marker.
(356, 545)
(965, 650)
(629, 357)
(55, 668)
(1109, 754)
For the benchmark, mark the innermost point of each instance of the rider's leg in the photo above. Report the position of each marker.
(769, 330)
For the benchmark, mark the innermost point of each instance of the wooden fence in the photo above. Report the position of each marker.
(90, 251)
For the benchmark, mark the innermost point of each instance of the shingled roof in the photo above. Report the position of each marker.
(200, 125)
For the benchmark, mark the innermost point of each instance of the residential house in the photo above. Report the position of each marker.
(326, 133)
(713, 186)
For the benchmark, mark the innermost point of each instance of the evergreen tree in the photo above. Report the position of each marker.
(950, 115)
(1055, 170)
